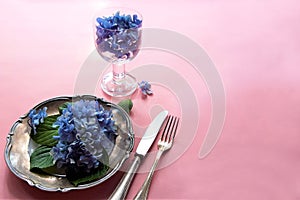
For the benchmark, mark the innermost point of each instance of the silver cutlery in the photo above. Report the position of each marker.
(164, 144)
(121, 190)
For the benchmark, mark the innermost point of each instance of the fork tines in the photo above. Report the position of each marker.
(170, 128)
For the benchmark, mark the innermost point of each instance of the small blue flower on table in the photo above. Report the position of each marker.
(145, 86)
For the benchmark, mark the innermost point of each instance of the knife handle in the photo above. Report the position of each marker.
(121, 190)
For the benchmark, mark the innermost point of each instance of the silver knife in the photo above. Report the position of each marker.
(121, 190)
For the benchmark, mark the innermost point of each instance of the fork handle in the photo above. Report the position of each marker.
(143, 192)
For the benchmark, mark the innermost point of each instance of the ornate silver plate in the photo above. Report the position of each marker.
(19, 146)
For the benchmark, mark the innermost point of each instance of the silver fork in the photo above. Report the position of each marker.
(164, 144)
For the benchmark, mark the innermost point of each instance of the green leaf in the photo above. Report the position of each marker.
(41, 158)
(45, 132)
(63, 106)
(95, 175)
(126, 104)
(91, 177)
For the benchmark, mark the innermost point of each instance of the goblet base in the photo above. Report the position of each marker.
(121, 87)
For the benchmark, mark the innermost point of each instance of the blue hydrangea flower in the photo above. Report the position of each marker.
(74, 155)
(85, 128)
(145, 86)
(78, 154)
(65, 124)
(118, 36)
(59, 153)
(36, 118)
(118, 22)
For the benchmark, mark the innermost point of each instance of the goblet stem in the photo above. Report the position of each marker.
(118, 83)
(118, 72)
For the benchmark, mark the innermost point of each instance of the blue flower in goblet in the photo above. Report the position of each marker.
(118, 41)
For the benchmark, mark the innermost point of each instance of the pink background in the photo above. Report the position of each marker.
(255, 47)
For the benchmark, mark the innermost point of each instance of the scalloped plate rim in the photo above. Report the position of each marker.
(31, 182)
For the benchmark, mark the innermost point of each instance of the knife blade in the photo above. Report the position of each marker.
(151, 133)
(145, 143)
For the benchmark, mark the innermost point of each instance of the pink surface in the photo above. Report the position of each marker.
(255, 47)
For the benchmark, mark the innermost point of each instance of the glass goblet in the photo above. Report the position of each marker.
(118, 36)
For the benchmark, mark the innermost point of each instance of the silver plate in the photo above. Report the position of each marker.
(19, 146)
